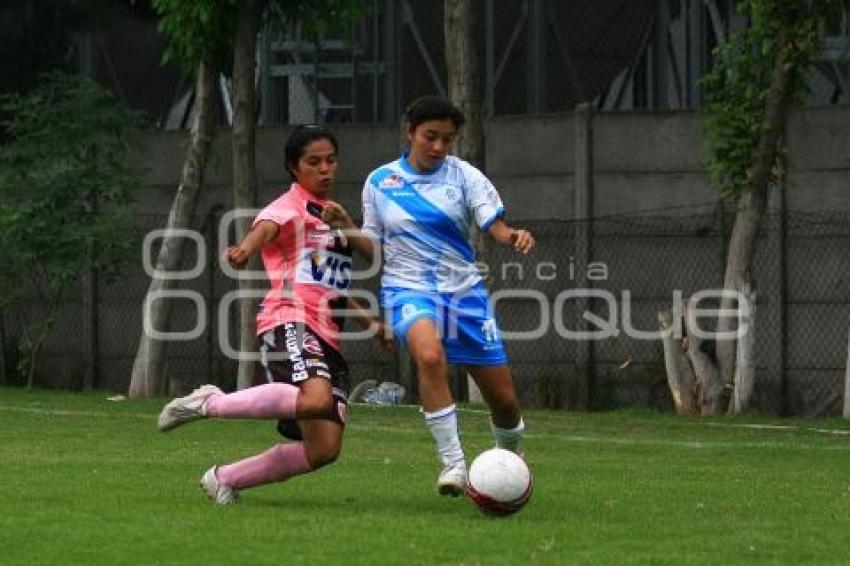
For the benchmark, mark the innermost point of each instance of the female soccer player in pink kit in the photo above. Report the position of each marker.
(308, 264)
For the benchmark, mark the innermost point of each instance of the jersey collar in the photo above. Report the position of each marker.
(306, 195)
(408, 168)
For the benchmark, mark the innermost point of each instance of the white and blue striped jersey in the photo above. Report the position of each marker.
(423, 221)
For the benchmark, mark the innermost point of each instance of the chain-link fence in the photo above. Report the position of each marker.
(635, 265)
(801, 274)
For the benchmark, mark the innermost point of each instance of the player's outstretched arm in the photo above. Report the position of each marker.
(337, 217)
(520, 239)
(260, 234)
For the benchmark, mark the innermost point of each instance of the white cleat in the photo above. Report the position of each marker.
(452, 479)
(185, 409)
(217, 491)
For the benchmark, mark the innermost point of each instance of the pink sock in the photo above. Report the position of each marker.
(267, 401)
(278, 463)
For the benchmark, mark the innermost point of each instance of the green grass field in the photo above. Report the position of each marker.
(84, 480)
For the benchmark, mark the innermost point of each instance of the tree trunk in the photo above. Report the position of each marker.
(464, 92)
(752, 204)
(708, 384)
(713, 376)
(146, 379)
(463, 77)
(680, 374)
(244, 172)
(745, 364)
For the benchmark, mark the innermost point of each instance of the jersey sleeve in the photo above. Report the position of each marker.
(373, 226)
(283, 216)
(483, 199)
(280, 215)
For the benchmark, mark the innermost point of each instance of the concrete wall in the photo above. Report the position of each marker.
(658, 227)
(643, 161)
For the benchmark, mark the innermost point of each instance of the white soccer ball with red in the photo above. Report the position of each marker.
(500, 482)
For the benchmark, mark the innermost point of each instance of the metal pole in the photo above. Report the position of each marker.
(783, 295)
(847, 383)
(685, 15)
(535, 78)
(661, 74)
(490, 60)
(3, 375)
(267, 105)
(316, 99)
(375, 35)
(93, 306)
(353, 45)
(583, 215)
(391, 89)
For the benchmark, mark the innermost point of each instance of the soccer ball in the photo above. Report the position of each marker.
(500, 482)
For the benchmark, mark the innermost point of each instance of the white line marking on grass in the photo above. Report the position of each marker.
(754, 426)
(832, 431)
(695, 444)
(836, 432)
(72, 413)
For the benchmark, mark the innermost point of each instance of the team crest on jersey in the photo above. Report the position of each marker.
(452, 194)
(392, 181)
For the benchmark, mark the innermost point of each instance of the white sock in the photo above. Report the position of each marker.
(443, 427)
(509, 438)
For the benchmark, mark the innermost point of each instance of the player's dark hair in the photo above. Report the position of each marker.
(429, 108)
(299, 139)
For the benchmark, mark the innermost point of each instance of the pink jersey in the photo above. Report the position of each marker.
(308, 265)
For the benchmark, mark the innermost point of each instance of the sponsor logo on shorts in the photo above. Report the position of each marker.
(323, 373)
(408, 310)
(299, 368)
(314, 363)
(490, 330)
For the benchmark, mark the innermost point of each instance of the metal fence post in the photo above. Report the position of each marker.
(771, 331)
(847, 382)
(583, 215)
(2, 348)
(783, 298)
(91, 304)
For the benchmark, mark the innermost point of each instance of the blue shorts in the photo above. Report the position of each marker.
(465, 321)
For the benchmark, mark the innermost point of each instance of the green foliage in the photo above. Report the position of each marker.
(203, 30)
(198, 31)
(65, 180)
(786, 31)
(317, 17)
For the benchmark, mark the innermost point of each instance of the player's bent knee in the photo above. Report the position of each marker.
(315, 406)
(320, 456)
(431, 358)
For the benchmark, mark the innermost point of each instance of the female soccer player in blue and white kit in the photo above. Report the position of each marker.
(420, 207)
